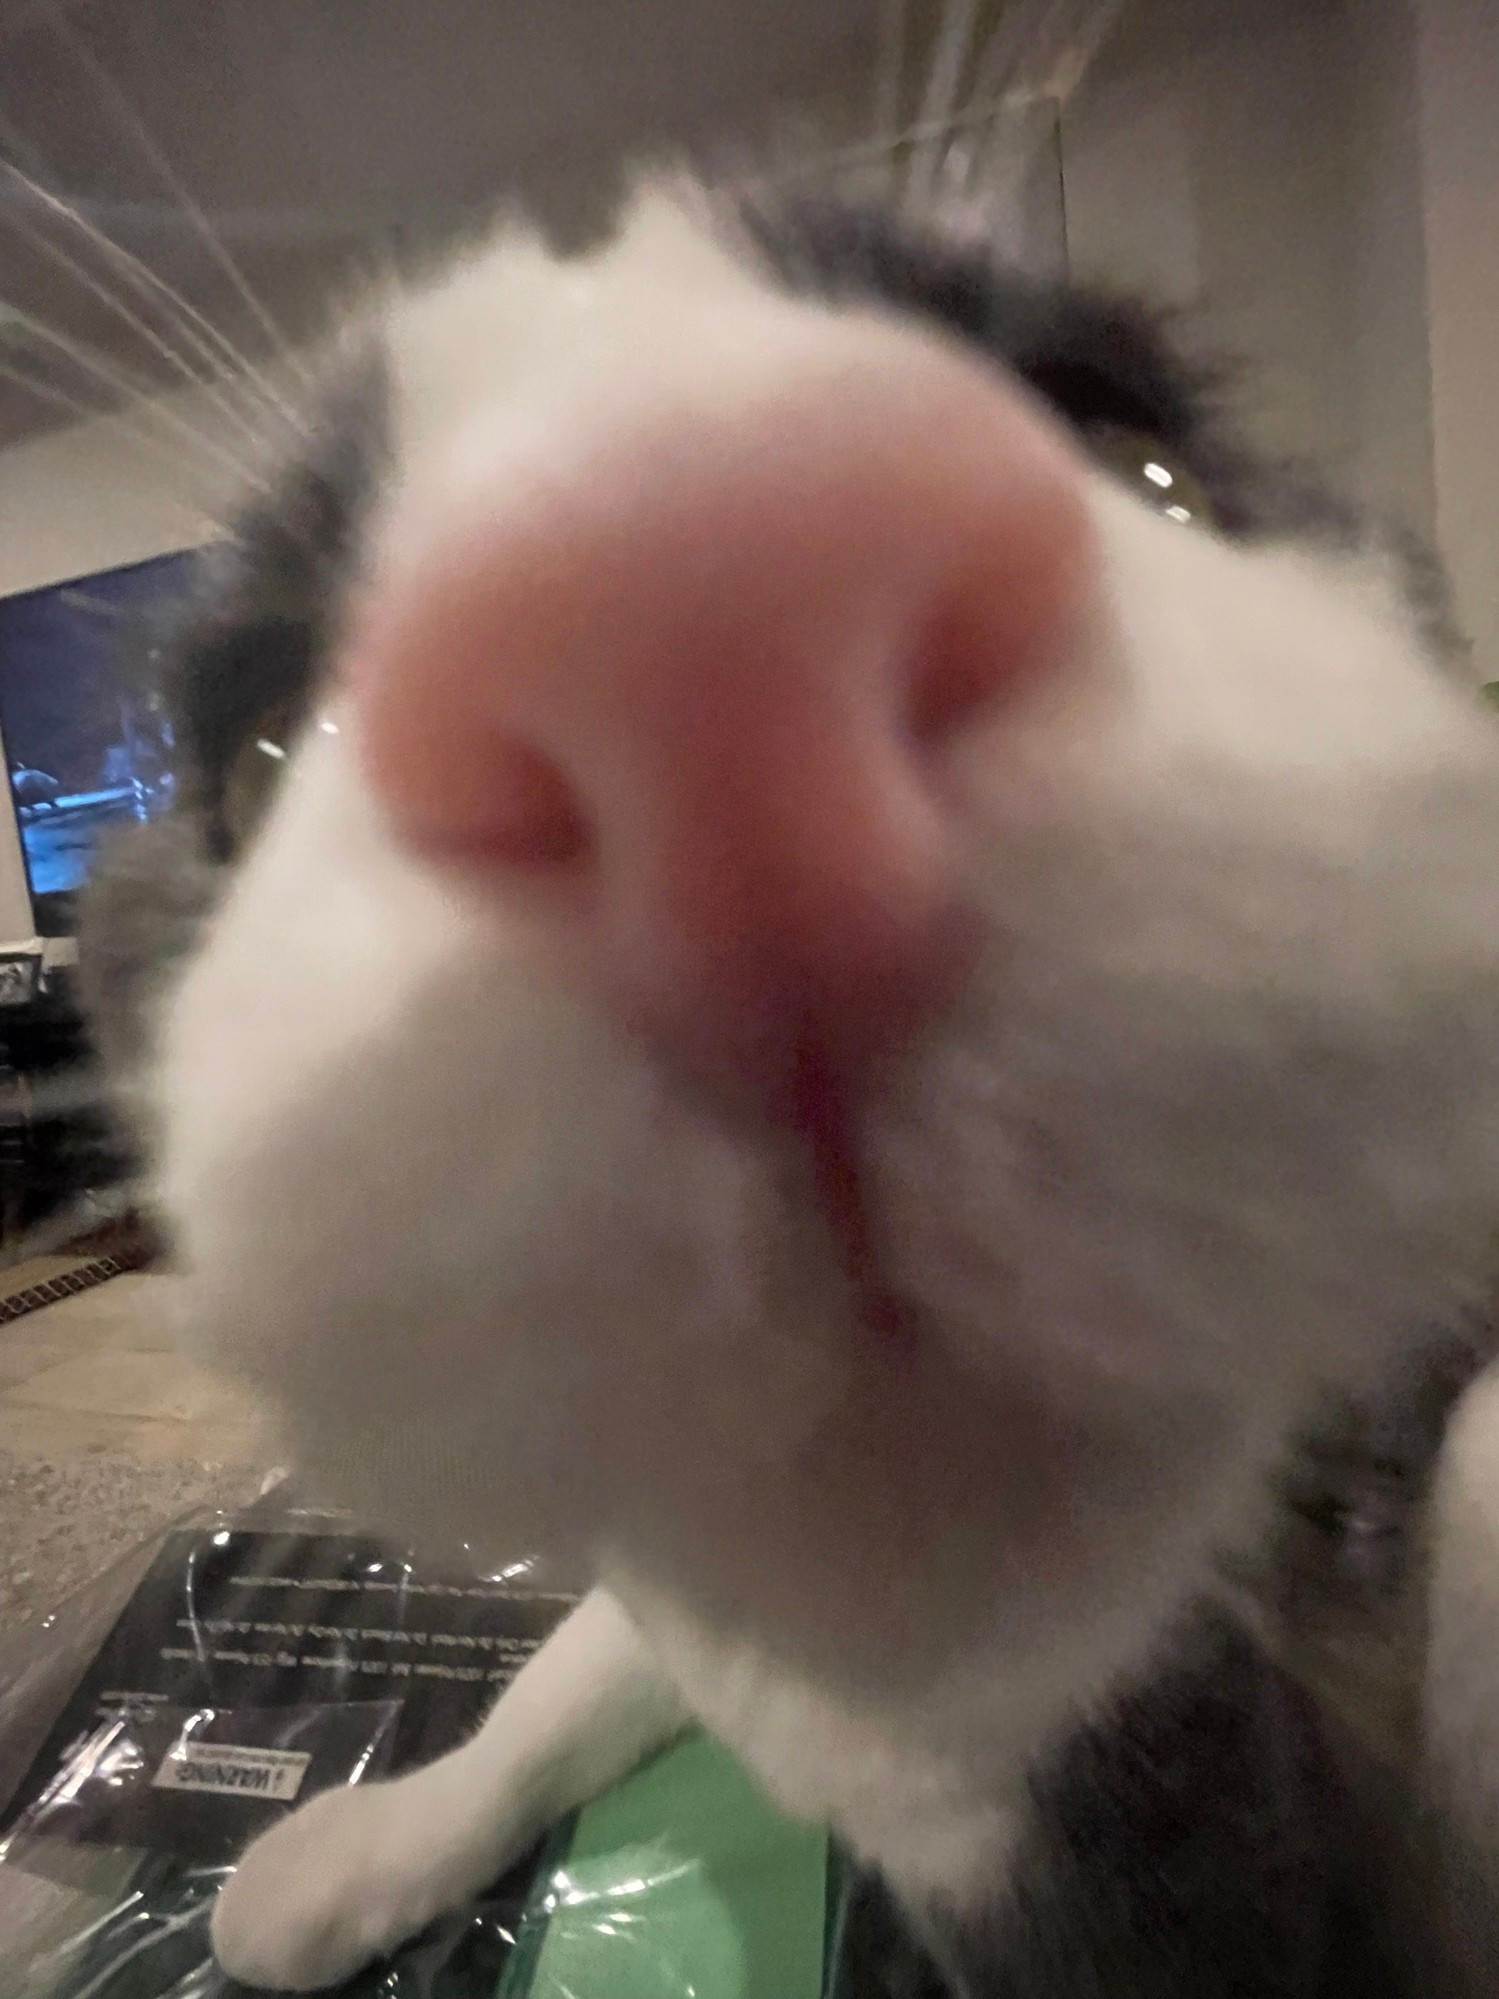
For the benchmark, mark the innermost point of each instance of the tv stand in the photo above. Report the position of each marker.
(56, 1143)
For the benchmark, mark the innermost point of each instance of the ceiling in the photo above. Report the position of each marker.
(253, 154)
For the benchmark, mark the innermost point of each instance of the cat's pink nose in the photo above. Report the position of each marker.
(682, 686)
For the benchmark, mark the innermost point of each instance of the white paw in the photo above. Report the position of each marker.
(345, 1879)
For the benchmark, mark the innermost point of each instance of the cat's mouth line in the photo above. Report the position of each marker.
(828, 1127)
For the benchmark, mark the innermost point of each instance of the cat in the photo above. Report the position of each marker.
(868, 1000)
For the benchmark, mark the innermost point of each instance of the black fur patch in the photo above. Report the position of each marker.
(1098, 358)
(252, 640)
(1206, 1839)
(1095, 359)
(273, 593)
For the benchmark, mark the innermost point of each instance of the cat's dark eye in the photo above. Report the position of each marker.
(1152, 472)
(255, 772)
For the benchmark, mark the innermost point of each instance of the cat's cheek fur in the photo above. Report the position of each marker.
(507, 1286)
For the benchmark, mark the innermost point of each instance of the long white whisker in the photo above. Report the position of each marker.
(85, 358)
(211, 384)
(1084, 25)
(994, 79)
(146, 281)
(948, 61)
(1057, 27)
(48, 392)
(1093, 25)
(136, 392)
(999, 57)
(178, 489)
(868, 151)
(131, 120)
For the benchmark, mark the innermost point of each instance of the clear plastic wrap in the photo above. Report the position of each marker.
(153, 1725)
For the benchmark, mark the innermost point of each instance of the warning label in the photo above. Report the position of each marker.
(232, 1770)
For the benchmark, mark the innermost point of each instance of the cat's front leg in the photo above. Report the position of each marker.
(357, 1871)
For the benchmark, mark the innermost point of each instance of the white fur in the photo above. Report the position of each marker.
(1214, 1121)
(354, 1873)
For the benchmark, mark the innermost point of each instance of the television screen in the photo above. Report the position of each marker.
(87, 744)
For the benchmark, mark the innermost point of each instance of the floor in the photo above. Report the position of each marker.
(107, 1435)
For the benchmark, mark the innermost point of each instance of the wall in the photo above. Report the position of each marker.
(1127, 161)
(1458, 68)
(1390, 333)
(1258, 161)
(102, 493)
(1319, 181)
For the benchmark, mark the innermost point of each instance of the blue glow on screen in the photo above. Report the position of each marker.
(87, 742)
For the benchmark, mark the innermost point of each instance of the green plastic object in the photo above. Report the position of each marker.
(680, 1883)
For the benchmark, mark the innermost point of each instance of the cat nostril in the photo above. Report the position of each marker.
(536, 820)
(952, 681)
(699, 664)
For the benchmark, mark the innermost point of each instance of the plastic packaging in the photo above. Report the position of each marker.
(153, 1725)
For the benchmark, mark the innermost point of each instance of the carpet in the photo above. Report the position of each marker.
(67, 1515)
